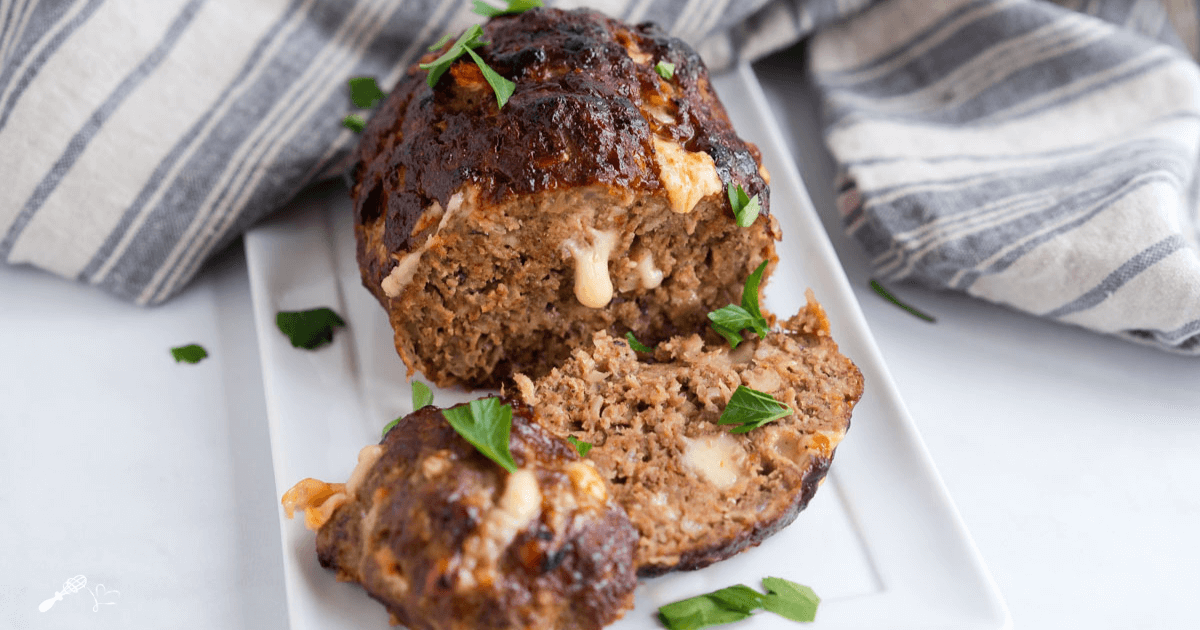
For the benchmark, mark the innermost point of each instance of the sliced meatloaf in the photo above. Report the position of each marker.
(696, 492)
(448, 540)
(499, 239)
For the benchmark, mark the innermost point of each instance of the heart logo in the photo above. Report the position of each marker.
(103, 597)
(102, 592)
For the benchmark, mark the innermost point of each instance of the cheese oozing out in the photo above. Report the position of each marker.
(402, 274)
(518, 506)
(650, 275)
(687, 176)
(593, 286)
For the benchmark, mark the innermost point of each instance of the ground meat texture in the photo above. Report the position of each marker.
(500, 239)
(696, 492)
(448, 540)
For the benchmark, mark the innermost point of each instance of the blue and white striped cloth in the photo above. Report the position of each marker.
(1038, 155)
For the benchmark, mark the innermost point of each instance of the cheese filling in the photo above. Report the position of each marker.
(718, 459)
(593, 286)
(318, 499)
(402, 274)
(688, 177)
(649, 275)
(520, 504)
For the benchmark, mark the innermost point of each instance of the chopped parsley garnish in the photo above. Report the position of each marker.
(421, 394)
(729, 321)
(734, 603)
(365, 92)
(666, 70)
(789, 599)
(635, 344)
(503, 88)
(745, 207)
(191, 353)
(354, 122)
(891, 298)
(308, 329)
(750, 409)
(580, 446)
(486, 424)
(441, 42)
(514, 7)
(466, 45)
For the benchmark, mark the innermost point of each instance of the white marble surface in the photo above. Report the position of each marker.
(1074, 459)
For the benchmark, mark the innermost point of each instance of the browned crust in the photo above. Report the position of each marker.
(577, 575)
(761, 530)
(582, 123)
(578, 93)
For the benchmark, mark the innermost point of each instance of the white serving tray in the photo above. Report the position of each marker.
(881, 542)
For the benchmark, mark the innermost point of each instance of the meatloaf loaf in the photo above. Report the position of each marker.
(499, 239)
(448, 540)
(696, 492)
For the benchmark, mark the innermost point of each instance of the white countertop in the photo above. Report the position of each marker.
(1074, 458)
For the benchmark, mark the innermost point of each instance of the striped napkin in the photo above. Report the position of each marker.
(1037, 155)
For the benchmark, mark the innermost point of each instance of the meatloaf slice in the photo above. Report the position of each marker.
(500, 239)
(448, 540)
(696, 492)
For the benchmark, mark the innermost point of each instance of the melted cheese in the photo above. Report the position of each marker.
(593, 286)
(688, 177)
(763, 379)
(586, 481)
(402, 274)
(520, 504)
(316, 499)
(718, 459)
(650, 276)
(366, 459)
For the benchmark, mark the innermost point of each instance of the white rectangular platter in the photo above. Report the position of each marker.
(881, 542)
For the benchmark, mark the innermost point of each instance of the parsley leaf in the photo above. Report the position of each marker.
(514, 7)
(635, 344)
(309, 329)
(789, 599)
(750, 298)
(502, 87)
(580, 446)
(466, 45)
(487, 424)
(734, 603)
(745, 208)
(422, 395)
(439, 66)
(665, 70)
(751, 409)
(739, 597)
(891, 298)
(354, 122)
(441, 42)
(729, 321)
(191, 353)
(698, 612)
(365, 92)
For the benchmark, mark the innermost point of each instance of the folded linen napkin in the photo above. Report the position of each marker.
(1022, 152)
